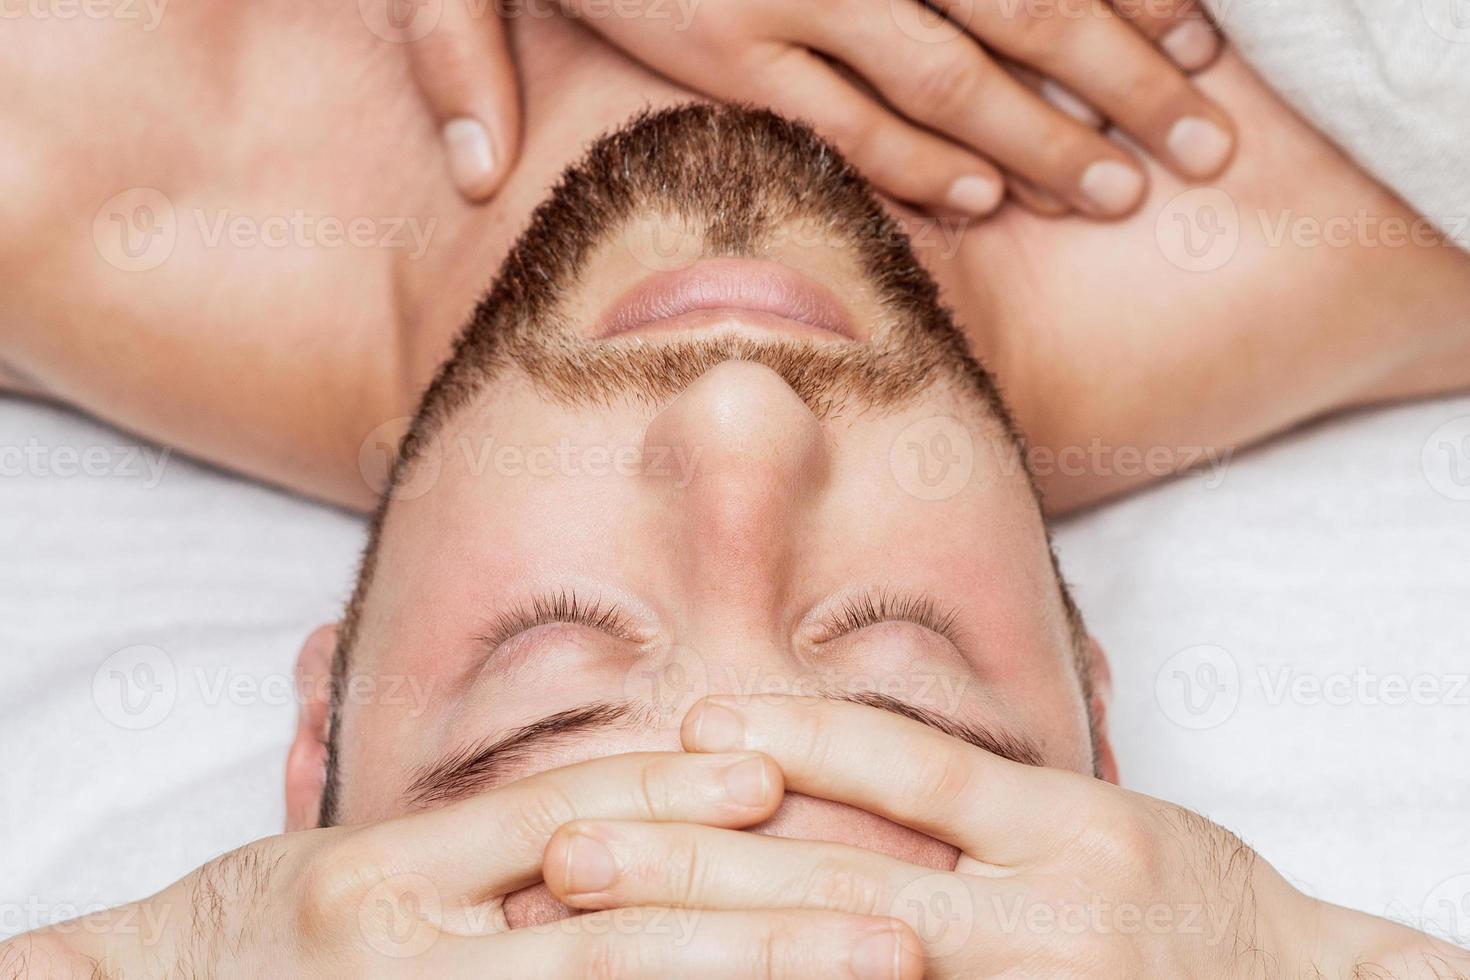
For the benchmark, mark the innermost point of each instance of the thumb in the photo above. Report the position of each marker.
(465, 73)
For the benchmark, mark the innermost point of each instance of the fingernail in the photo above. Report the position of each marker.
(1199, 145)
(876, 957)
(974, 195)
(748, 782)
(1191, 45)
(471, 158)
(1112, 186)
(1063, 99)
(717, 729)
(590, 866)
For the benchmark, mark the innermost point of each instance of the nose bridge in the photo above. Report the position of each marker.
(755, 458)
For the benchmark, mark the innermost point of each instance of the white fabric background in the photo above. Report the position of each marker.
(1325, 552)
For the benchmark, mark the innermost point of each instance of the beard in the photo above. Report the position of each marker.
(738, 179)
(734, 181)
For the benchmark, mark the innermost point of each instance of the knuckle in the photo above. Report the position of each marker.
(782, 954)
(835, 885)
(539, 814)
(606, 958)
(944, 87)
(943, 777)
(334, 882)
(657, 796)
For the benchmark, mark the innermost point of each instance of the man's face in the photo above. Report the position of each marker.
(712, 439)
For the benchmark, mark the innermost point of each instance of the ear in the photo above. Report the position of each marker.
(1102, 696)
(306, 762)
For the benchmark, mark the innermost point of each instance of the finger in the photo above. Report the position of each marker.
(1056, 95)
(953, 87)
(1179, 27)
(599, 864)
(993, 809)
(901, 159)
(464, 70)
(492, 844)
(1118, 71)
(660, 942)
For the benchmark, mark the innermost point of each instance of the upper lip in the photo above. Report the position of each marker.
(774, 292)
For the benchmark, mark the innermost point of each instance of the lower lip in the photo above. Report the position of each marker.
(761, 295)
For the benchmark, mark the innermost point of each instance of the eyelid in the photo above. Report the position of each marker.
(558, 607)
(866, 609)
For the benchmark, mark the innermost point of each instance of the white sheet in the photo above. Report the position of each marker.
(1388, 80)
(1326, 552)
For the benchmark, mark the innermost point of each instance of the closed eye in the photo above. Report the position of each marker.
(558, 607)
(871, 608)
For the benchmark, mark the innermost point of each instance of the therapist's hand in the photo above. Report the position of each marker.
(1059, 874)
(467, 77)
(423, 895)
(931, 110)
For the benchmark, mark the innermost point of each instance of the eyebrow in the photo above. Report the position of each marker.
(476, 766)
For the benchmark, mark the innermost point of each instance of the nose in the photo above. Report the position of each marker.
(756, 459)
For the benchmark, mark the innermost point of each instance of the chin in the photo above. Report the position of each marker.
(800, 817)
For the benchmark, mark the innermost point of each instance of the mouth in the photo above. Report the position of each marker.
(750, 294)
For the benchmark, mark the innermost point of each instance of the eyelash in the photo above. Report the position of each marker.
(856, 613)
(561, 607)
(870, 609)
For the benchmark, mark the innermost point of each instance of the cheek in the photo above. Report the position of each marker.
(800, 817)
